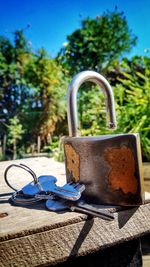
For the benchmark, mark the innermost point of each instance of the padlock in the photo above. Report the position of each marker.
(110, 166)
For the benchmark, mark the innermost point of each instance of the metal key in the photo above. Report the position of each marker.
(44, 183)
(59, 205)
(85, 207)
(27, 194)
(70, 191)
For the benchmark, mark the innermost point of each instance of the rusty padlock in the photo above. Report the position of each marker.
(110, 166)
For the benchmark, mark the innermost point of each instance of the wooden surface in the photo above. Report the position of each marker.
(34, 236)
(127, 254)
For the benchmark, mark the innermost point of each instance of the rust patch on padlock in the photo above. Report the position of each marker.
(122, 174)
(73, 161)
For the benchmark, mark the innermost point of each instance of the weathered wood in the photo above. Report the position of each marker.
(34, 236)
(56, 245)
(127, 254)
(146, 170)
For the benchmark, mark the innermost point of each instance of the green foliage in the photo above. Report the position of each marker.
(97, 43)
(133, 102)
(58, 153)
(132, 97)
(15, 131)
(13, 87)
(91, 109)
(55, 149)
(33, 87)
(48, 94)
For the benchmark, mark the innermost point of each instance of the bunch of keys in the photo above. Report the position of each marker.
(58, 198)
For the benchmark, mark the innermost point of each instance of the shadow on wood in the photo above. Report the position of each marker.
(123, 216)
(83, 234)
(127, 254)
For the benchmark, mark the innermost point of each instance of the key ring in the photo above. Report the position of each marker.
(18, 199)
(24, 167)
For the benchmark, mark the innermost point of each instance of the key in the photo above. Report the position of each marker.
(70, 191)
(43, 188)
(56, 205)
(83, 206)
(45, 196)
(99, 214)
(59, 205)
(42, 183)
(27, 194)
(45, 183)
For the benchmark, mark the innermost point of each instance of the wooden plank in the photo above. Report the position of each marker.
(146, 170)
(34, 236)
(127, 254)
(146, 261)
(56, 245)
(26, 221)
(33, 218)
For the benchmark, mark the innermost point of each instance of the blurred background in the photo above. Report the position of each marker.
(43, 44)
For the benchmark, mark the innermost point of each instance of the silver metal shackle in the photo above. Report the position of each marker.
(73, 87)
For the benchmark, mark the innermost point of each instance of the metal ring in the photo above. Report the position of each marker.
(24, 167)
(19, 199)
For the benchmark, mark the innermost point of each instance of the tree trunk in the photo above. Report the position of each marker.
(14, 150)
(4, 145)
(38, 144)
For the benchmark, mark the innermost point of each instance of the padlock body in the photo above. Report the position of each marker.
(110, 166)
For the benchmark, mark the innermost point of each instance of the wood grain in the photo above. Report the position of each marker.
(33, 236)
(57, 245)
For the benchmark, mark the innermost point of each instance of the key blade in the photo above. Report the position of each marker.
(94, 214)
(79, 187)
(44, 196)
(67, 192)
(89, 207)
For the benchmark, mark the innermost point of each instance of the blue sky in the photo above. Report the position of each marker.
(52, 20)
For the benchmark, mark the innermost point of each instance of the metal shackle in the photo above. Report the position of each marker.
(77, 81)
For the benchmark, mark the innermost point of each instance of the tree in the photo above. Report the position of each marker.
(15, 132)
(13, 87)
(133, 100)
(131, 88)
(97, 43)
(48, 85)
(32, 87)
